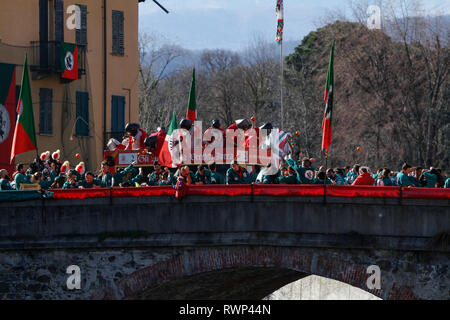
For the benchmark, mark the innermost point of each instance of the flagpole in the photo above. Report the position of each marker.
(282, 80)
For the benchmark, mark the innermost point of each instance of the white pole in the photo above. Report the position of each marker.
(282, 65)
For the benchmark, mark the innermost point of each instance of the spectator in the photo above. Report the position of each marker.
(429, 178)
(339, 178)
(383, 178)
(59, 182)
(20, 177)
(402, 177)
(364, 178)
(166, 177)
(4, 180)
(447, 183)
(202, 176)
(322, 178)
(352, 174)
(287, 175)
(154, 177)
(305, 173)
(105, 176)
(216, 177)
(118, 177)
(237, 175)
(71, 181)
(89, 181)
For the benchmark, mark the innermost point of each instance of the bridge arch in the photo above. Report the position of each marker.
(258, 270)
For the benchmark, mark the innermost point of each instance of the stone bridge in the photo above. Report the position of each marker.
(219, 247)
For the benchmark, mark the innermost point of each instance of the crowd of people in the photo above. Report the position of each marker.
(52, 174)
(48, 172)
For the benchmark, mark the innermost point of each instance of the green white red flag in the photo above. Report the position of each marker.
(192, 105)
(24, 134)
(7, 113)
(165, 155)
(327, 115)
(69, 61)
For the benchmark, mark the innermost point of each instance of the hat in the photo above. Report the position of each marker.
(45, 155)
(56, 155)
(80, 168)
(65, 167)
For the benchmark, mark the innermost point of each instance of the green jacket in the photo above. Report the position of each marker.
(87, 185)
(5, 185)
(290, 179)
(430, 178)
(304, 175)
(404, 180)
(447, 183)
(217, 178)
(385, 182)
(206, 178)
(118, 176)
(106, 179)
(19, 179)
(68, 185)
(236, 178)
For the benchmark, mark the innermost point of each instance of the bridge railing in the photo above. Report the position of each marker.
(261, 190)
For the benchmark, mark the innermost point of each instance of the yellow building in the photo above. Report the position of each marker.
(76, 116)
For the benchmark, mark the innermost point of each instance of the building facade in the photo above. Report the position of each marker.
(75, 116)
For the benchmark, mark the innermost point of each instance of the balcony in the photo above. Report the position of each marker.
(45, 59)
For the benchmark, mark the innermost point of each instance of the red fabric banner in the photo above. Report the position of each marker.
(259, 190)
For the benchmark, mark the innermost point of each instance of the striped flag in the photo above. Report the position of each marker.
(24, 135)
(190, 114)
(328, 97)
(280, 21)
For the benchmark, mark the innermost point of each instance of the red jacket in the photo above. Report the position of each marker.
(364, 179)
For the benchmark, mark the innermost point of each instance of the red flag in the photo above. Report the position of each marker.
(327, 115)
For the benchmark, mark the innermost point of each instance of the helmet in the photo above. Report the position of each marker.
(162, 129)
(243, 124)
(132, 128)
(186, 124)
(267, 126)
(216, 124)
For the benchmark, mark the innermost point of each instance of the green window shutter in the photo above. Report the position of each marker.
(117, 117)
(59, 20)
(82, 113)
(118, 38)
(45, 111)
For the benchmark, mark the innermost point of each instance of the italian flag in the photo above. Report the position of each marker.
(165, 155)
(69, 61)
(192, 103)
(327, 115)
(24, 134)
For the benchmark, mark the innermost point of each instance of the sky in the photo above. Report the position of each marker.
(231, 24)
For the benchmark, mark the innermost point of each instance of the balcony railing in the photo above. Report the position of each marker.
(45, 58)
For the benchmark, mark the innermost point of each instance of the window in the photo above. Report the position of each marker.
(81, 34)
(82, 119)
(59, 21)
(117, 117)
(118, 44)
(45, 111)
